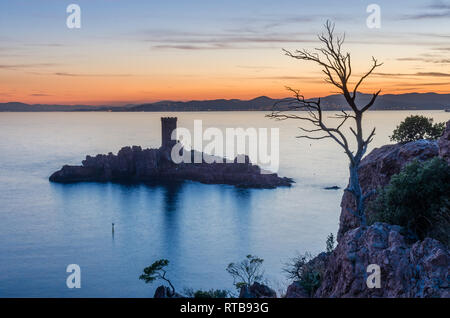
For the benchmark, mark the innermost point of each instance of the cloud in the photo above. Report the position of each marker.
(433, 74)
(46, 44)
(429, 15)
(442, 49)
(422, 84)
(237, 38)
(436, 60)
(287, 77)
(93, 75)
(215, 46)
(257, 68)
(439, 5)
(25, 66)
(254, 34)
(39, 95)
(426, 74)
(436, 10)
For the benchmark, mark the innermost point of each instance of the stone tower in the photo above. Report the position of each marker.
(168, 125)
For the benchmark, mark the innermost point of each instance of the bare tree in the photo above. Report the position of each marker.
(336, 65)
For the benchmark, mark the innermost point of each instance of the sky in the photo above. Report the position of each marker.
(129, 52)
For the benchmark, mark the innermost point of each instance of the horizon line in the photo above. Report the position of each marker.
(125, 103)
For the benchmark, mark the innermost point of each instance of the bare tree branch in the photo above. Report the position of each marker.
(336, 65)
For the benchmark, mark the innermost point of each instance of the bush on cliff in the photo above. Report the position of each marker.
(307, 270)
(418, 198)
(247, 272)
(417, 127)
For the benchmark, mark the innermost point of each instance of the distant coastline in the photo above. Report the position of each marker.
(410, 101)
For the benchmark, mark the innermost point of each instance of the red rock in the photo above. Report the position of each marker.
(407, 270)
(417, 270)
(444, 143)
(257, 290)
(295, 290)
(382, 163)
(376, 170)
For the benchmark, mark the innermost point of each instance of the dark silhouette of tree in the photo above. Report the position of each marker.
(336, 65)
(246, 272)
(417, 127)
(330, 243)
(157, 271)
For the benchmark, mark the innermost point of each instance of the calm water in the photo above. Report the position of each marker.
(199, 228)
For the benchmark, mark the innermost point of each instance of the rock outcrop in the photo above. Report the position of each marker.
(165, 292)
(134, 164)
(417, 270)
(444, 144)
(408, 269)
(382, 163)
(376, 170)
(295, 290)
(257, 290)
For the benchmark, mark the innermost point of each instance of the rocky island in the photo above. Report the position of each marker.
(134, 164)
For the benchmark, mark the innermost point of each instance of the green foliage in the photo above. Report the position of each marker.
(157, 271)
(330, 243)
(307, 271)
(246, 272)
(153, 272)
(418, 199)
(417, 127)
(212, 293)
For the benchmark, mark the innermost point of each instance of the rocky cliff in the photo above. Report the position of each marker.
(376, 170)
(382, 163)
(408, 269)
(444, 143)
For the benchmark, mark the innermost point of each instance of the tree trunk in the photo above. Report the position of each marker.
(355, 189)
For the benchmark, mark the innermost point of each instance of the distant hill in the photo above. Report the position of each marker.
(410, 101)
(259, 103)
(21, 107)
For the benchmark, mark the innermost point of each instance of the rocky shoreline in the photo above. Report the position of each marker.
(134, 164)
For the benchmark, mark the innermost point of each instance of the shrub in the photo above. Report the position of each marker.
(246, 272)
(415, 128)
(307, 270)
(330, 243)
(212, 293)
(418, 199)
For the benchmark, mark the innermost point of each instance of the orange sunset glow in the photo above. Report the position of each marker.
(149, 57)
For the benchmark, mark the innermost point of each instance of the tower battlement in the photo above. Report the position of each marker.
(168, 125)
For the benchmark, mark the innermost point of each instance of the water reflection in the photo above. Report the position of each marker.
(171, 197)
(242, 202)
(172, 202)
